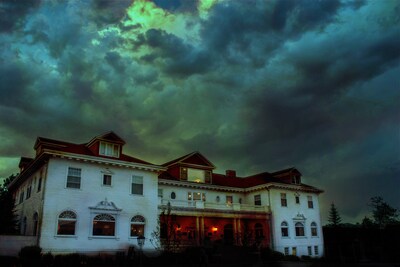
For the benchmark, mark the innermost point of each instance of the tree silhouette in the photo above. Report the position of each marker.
(334, 216)
(8, 221)
(382, 212)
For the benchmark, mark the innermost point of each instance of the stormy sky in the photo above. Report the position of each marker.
(253, 85)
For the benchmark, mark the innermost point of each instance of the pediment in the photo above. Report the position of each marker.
(106, 205)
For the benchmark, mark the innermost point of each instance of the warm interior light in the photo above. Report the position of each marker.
(215, 229)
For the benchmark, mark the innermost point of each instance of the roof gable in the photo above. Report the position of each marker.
(194, 158)
(109, 136)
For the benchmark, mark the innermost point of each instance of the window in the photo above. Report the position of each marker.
(286, 251)
(314, 229)
(104, 225)
(309, 249)
(217, 199)
(310, 202)
(284, 229)
(229, 200)
(207, 175)
(173, 195)
(296, 179)
(66, 223)
(197, 196)
(107, 179)
(195, 175)
(297, 198)
(283, 200)
(74, 178)
(160, 192)
(316, 252)
(294, 251)
(21, 197)
(35, 223)
(39, 184)
(29, 191)
(299, 229)
(24, 226)
(257, 200)
(137, 225)
(137, 185)
(184, 173)
(108, 149)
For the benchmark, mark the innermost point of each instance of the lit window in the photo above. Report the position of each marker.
(108, 149)
(314, 229)
(195, 175)
(74, 178)
(294, 251)
(257, 200)
(229, 200)
(137, 185)
(299, 229)
(310, 202)
(184, 173)
(283, 200)
(284, 229)
(104, 225)
(66, 223)
(107, 179)
(137, 225)
(197, 196)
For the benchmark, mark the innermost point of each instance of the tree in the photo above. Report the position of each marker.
(382, 212)
(8, 221)
(334, 216)
(367, 222)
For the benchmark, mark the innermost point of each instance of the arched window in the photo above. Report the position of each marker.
(299, 229)
(314, 231)
(173, 195)
(104, 225)
(35, 223)
(284, 229)
(66, 223)
(258, 230)
(137, 225)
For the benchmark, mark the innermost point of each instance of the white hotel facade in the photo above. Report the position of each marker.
(91, 197)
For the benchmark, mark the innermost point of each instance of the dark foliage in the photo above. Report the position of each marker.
(382, 212)
(8, 219)
(30, 256)
(334, 217)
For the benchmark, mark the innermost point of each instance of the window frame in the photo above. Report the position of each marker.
(137, 220)
(316, 250)
(109, 149)
(191, 196)
(107, 175)
(299, 229)
(314, 229)
(284, 226)
(227, 202)
(310, 202)
(283, 200)
(257, 200)
(69, 175)
(139, 185)
(72, 219)
(112, 222)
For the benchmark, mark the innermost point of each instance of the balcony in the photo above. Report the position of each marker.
(214, 206)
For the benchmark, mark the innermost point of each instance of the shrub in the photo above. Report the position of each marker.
(291, 258)
(30, 256)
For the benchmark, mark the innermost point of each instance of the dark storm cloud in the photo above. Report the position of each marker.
(177, 57)
(109, 11)
(12, 13)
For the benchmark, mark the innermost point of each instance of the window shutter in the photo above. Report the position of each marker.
(184, 173)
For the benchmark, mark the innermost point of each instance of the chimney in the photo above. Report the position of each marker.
(230, 173)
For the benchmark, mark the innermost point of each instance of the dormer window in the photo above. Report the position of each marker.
(109, 149)
(296, 179)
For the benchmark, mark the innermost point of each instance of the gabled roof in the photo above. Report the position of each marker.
(195, 158)
(284, 171)
(109, 136)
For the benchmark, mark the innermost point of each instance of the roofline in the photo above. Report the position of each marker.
(98, 137)
(182, 158)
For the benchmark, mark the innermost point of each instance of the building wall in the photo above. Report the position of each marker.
(289, 214)
(31, 205)
(58, 198)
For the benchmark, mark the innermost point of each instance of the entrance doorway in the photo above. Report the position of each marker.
(228, 234)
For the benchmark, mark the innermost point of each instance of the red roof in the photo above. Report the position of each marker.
(81, 149)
